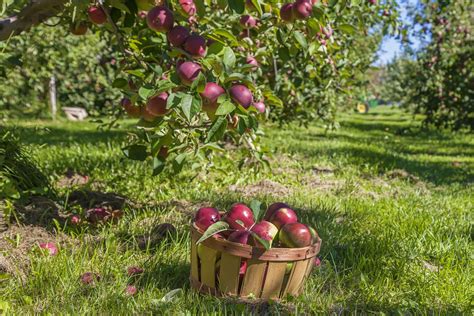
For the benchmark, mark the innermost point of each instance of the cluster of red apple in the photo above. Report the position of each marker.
(279, 227)
(161, 19)
(298, 10)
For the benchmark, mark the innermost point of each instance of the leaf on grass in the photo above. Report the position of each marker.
(213, 229)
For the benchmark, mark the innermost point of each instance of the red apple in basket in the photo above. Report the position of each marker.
(295, 235)
(239, 217)
(314, 235)
(205, 217)
(265, 230)
(239, 236)
(283, 216)
(273, 208)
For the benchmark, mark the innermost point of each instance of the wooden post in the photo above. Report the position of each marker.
(52, 97)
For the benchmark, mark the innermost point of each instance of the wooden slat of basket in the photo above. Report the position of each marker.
(274, 280)
(306, 275)
(208, 266)
(296, 277)
(253, 279)
(229, 274)
(194, 261)
(246, 251)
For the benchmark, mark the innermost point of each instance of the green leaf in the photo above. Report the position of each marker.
(318, 13)
(186, 104)
(217, 129)
(174, 99)
(256, 4)
(119, 5)
(158, 165)
(135, 152)
(300, 39)
(237, 6)
(213, 229)
(256, 207)
(178, 162)
(145, 92)
(215, 48)
(225, 34)
(119, 83)
(284, 53)
(229, 57)
(265, 243)
(225, 107)
(347, 28)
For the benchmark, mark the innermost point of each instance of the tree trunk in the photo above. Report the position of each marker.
(52, 97)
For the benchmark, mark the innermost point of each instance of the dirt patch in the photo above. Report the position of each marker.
(71, 179)
(37, 211)
(264, 187)
(316, 182)
(323, 170)
(17, 242)
(402, 174)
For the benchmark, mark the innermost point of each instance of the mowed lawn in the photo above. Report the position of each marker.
(392, 203)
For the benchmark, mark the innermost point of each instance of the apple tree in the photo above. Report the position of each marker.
(197, 72)
(437, 80)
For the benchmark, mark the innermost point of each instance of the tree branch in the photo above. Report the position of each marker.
(34, 13)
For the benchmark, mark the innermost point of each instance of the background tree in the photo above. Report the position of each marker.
(438, 80)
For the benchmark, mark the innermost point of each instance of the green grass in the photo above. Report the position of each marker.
(380, 228)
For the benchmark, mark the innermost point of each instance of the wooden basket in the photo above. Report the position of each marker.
(266, 276)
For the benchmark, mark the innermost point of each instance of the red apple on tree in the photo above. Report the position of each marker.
(266, 231)
(132, 111)
(79, 28)
(286, 12)
(97, 15)
(241, 95)
(239, 217)
(160, 19)
(302, 9)
(205, 217)
(188, 7)
(260, 106)
(195, 45)
(248, 21)
(295, 235)
(156, 105)
(252, 61)
(178, 35)
(283, 216)
(188, 71)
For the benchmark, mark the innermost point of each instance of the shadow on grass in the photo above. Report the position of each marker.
(60, 135)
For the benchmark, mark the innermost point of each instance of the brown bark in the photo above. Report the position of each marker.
(32, 14)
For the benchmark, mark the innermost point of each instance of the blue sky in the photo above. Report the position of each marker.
(391, 47)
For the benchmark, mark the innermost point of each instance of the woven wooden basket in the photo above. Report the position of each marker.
(265, 277)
